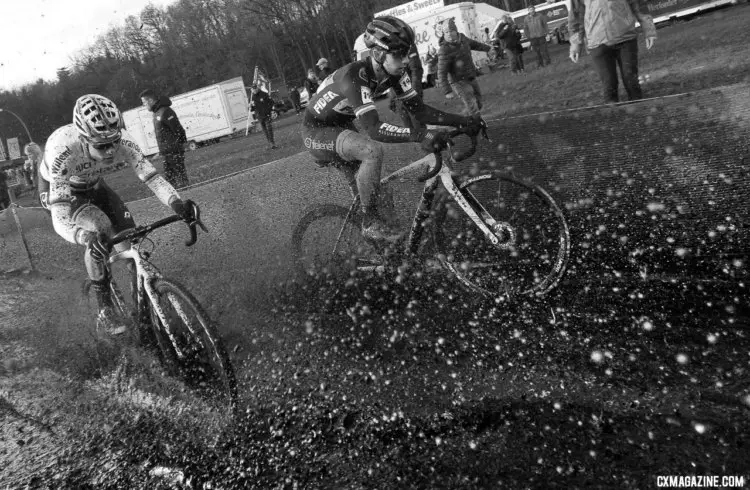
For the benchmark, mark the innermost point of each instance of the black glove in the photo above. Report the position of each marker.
(434, 141)
(473, 125)
(97, 244)
(183, 209)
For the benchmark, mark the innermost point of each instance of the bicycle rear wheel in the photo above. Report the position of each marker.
(321, 229)
(534, 240)
(191, 345)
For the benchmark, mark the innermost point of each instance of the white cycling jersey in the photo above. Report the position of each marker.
(68, 167)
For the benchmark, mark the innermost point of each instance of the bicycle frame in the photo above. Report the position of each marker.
(470, 206)
(146, 276)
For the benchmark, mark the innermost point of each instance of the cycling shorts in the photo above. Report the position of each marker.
(103, 197)
(323, 143)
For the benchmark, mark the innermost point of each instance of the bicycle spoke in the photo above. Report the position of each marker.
(328, 241)
(191, 340)
(533, 242)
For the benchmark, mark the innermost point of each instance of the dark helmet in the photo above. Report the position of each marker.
(389, 34)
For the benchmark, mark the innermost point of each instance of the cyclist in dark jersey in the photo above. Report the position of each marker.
(328, 127)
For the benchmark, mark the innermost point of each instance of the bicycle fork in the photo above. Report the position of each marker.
(489, 226)
(146, 275)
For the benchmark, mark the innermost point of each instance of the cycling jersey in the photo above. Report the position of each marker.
(70, 170)
(349, 93)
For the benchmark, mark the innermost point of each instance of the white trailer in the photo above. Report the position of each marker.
(207, 114)
(471, 19)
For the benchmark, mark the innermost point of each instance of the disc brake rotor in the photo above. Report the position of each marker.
(505, 234)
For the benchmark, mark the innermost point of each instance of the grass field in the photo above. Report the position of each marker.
(708, 51)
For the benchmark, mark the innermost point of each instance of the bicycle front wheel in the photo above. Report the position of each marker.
(533, 237)
(326, 243)
(190, 343)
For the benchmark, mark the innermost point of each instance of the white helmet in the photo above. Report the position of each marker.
(97, 118)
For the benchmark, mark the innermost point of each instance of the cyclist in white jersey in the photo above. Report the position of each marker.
(84, 210)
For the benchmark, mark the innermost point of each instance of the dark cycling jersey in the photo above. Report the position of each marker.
(348, 94)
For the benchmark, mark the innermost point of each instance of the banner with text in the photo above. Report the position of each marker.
(14, 149)
(411, 9)
(659, 8)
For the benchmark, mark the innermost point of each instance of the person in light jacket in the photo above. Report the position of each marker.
(612, 39)
(536, 30)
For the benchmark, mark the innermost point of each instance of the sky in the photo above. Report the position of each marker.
(39, 36)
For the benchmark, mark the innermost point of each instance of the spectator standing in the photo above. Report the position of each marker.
(456, 70)
(509, 37)
(535, 27)
(324, 68)
(263, 106)
(33, 158)
(4, 195)
(170, 137)
(311, 82)
(486, 36)
(295, 98)
(611, 37)
(432, 65)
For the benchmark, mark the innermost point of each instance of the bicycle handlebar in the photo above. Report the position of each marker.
(459, 156)
(140, 231)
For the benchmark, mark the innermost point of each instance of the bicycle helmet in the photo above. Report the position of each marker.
(388, 34)
(97, 119)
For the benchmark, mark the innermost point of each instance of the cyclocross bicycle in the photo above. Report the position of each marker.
(499, 234)
(170, 318)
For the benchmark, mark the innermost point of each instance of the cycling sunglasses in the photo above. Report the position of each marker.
(105, 146)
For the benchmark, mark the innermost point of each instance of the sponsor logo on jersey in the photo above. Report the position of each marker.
(60, 161)
(132, 145)
(89, 170)
(83, 166)
(323, 101)
(390, 128)
(320, 145)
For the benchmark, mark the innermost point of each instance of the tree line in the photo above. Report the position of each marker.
(194, 43)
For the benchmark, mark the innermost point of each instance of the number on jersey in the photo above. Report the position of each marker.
(366, 95)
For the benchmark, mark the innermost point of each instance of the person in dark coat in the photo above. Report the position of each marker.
(263, 107)
(295, 98)
(311, 82)
(456, 70)
(4, 195)
(170, 137)
(509, 37)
